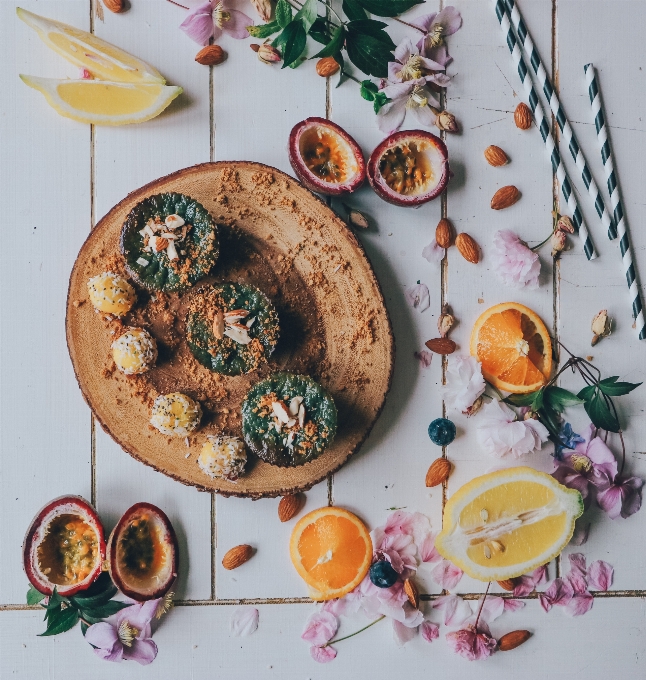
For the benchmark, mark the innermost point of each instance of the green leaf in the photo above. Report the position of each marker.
(587, 392)
(94, 600)
(34, 596)
(283, 13)
(388, 8)
(84, 628)
(612, 388)
(373, 28)
(353, 10)
(368, 90)
(550, 418)
(105, 610)
(53, 604)
(291, 42)
(368, 53)
(320, 31)
(61, 621)
(537, 404)
(264, 30)
(334, 45)
(380, 100)
(600, 414)
(559, 399)
(521, 399)
(307, 14)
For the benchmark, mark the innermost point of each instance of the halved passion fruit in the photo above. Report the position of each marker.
(325, 158)
(143, 553)
(409, 168)
(64, 547)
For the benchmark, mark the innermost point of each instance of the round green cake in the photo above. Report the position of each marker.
(288, 419)
(169, 242)
(231, 328)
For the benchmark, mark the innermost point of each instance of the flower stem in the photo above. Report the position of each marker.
(172, 2)
(482, 605)
(347, 75)
(332, 10)
(417, 28)
(331, 642)
(541, 244)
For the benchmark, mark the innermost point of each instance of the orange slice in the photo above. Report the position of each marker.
(332, 551)
(514, 347)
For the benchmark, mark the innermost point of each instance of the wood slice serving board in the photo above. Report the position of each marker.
(278, 236)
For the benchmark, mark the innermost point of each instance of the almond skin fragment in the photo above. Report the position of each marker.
(523, 116)
(468, 248)
(495, 156)
(507, 584)
(411, 593)
(290, 506)
(444, 234)
(237, 556)
(512, 640)
(505, 197)
(439, 472)
(211, 55)
(441, 345)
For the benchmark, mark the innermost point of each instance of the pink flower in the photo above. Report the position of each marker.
(559, 593)
(472, 644)
(418, 296)
(600, 575)
(410, 97)
(424, 357)
(244, 621)
(410, 65)
(436, 27)
(464, 382)
(621, 497)
(447, 575)
(430, 631)
(433, 252)
(210, 19)
(320, 628)
(128, 638)
(513, 262)
(323, 654)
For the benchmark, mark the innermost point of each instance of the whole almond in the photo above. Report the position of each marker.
(444, 233)
(439, 472)
(237, 556)
(211, 55)
(411, 593)
(468, 248)
(495, 156)
(327, 67)
(523, 116)
(507, 584)
(441, 345)
(505, 197)
(512, 640)
(290, 506)
(115, 6)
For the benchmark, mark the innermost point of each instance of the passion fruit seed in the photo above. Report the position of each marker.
(324, 158)
(405, 168)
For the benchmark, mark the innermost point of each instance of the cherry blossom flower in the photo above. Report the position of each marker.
(433, 252)
(430, 631)
(436, 27)
(471, 643)
(464, 382)
(513, 262)
(323, 654)
(418, 296)
(500, 434)
(210, 19)
(320, 628)
(424, 357)
(129, 637)
(244, 621)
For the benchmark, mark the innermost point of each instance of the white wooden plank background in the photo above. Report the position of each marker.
(57, 178)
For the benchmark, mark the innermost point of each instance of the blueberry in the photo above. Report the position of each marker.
(441, 431)
(382, 574)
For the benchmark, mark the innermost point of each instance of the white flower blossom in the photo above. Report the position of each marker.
(499, 433)
(464, 382)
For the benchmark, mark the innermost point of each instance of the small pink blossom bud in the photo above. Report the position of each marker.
(558, 242)
(446, 121)
(565, 225)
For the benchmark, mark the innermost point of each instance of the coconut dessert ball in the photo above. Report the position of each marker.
(135, 351)
(223, 457)
(111, 293)
(175, 414)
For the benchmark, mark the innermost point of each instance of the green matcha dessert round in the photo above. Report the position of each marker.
(231, 328)
(169, 242)
(288, 419)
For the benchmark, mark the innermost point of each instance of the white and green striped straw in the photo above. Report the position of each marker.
(615, 200)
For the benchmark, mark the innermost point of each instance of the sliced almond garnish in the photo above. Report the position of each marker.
(174, 221)
(171, 251)
(294, 404)
(301, 415)
(237, 334)
(218, 325)
(146, 231)
(281, 412)
(249, 323)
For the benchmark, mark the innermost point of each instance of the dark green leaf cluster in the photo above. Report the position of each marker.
(89, 606)
(371, 92)
(598, 401)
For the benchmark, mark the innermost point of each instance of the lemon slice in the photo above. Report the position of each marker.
(102, 59)
(99, 102)
(508, 522)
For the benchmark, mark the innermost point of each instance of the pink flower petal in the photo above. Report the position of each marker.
(450, 19)
(320, 628)
(433, 252)
(470, 644)
(513, 605)
(402, 633)
(198, 24)
(141, 651)
(581, 533)
(418, 297)
(424, 357)
(430, 631)
(524, 586)
(244, 621)
(323, 654)
(456, 610)
(559, 593)
(236, 27)
(102, 635)
(427, 550)
(513, 262)
(539, 575)
(580, 604)
(446, 575)
(600, 575)
(492, 608)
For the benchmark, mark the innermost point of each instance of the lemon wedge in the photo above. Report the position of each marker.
(506, 523)
(103, 60)
(99, 102)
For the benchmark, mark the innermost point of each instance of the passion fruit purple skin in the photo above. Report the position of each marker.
(157, 583)
(64, 505)
(349, 147)
(437, 152)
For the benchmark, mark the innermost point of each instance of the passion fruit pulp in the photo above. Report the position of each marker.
(325, 158)
(409, 168)
(64, 547)
(143, 553)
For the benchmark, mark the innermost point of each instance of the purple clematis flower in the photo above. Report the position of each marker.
(411, 96)
(210, 19)
(128, 637)
(409, 64)
(436, 27)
